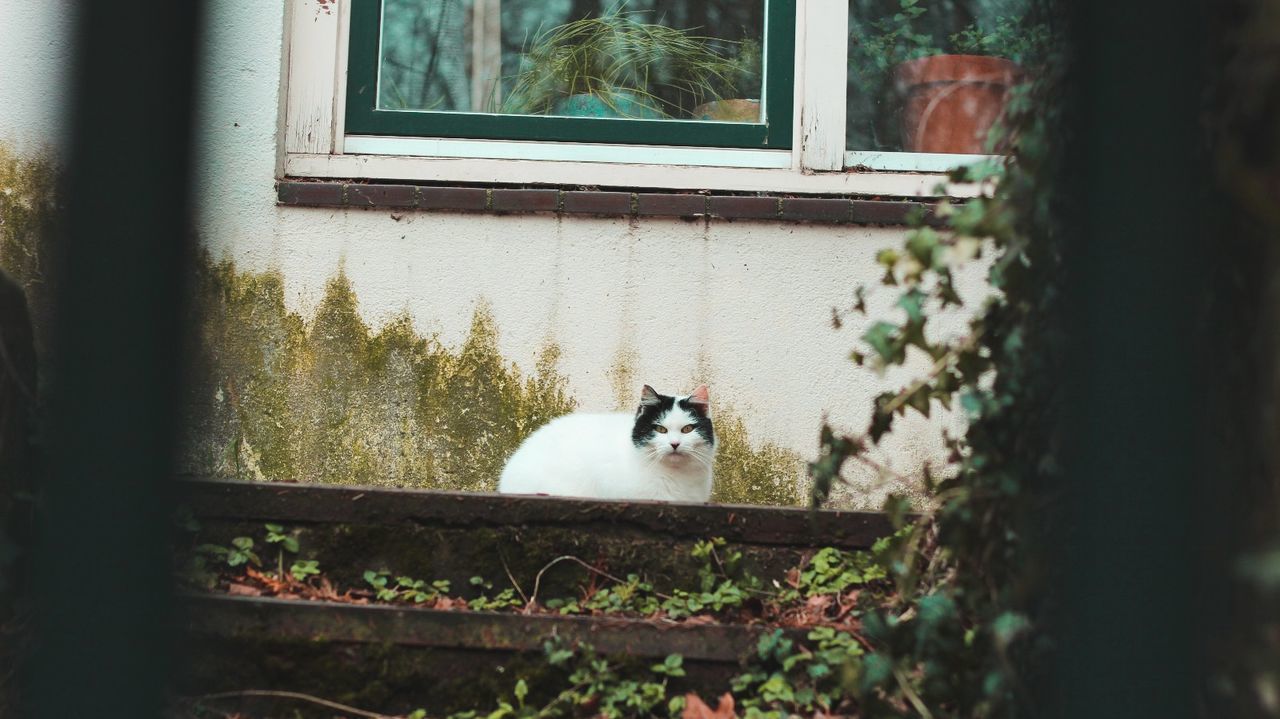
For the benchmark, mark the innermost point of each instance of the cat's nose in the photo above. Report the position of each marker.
(675, 446)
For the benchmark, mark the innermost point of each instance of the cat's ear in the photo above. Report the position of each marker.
(701, 399)
(649, 397)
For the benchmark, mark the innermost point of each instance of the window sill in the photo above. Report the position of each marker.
(493, 171)
(505, 200)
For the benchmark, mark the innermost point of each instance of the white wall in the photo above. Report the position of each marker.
(743, 305)
(35, 52)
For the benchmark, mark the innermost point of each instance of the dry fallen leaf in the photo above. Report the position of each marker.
(243, 590)
(695, 708)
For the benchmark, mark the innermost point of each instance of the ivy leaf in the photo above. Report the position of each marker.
(876, 670)
(912, 301)
(1007, 627)
(880, 337)
(919, 400)
(971, 403)
(922, 244)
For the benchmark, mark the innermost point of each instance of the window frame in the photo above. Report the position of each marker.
(315, 143)
(365, 118)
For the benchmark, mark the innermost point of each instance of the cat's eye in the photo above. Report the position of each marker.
(659, 429)
(687, 428)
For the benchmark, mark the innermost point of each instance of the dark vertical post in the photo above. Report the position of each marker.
(102, 563)
(1133, 386)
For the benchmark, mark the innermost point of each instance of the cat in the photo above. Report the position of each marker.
(665, 451)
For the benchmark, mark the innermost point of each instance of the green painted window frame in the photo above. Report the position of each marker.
(364, 118)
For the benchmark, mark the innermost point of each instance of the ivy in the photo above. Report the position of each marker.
(959, 635)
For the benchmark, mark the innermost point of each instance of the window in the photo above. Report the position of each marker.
(928, 79)
(695, 73)
(817, 97)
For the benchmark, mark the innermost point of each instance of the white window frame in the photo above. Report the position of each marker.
(315, 144)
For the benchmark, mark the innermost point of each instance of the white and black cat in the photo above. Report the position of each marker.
(664, 451)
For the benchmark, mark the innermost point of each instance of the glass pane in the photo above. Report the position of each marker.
(933, 75)
(649, 59)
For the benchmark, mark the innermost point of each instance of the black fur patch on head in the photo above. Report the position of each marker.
(647, 416)
(701, 422)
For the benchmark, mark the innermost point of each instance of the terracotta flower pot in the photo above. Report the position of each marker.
(736, 110)
(950, 102)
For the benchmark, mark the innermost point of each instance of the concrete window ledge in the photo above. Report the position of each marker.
(784, 208)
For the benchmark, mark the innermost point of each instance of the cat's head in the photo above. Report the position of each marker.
(675, 430)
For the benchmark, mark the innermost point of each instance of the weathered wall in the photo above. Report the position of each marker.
(743, 306)
(35, 51)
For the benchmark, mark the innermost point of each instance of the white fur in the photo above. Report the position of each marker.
(592, 455)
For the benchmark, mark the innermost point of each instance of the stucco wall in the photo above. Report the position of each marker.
(35, 47)
(743, 306)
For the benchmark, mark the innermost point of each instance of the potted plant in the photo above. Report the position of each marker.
(744, 78)
(946, 100)
(615, 66)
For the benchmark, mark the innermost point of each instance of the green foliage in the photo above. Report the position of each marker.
(404, 589)
(832, 571)
(625, 63)
(239, 552)
(504, 599)
(287, 543)
(593, 686)
(304, 568)
(958, 636)
(722, 585)
(789, 678)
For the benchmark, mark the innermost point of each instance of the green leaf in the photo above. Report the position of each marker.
(876, 670)
(921, 244)
(291, 545)
(912, 301)
(242, 543)
(880, 336)
(1009, 626)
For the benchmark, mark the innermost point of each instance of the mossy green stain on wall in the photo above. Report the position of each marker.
(28, 229)
(276, 398)
(747, 473)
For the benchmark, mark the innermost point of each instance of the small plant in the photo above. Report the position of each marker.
(284, 542)
(623, 62)
(304, 568)
(238, 553)
(788, 678)
(405, 588)
(721, 582)
(594, 684)
(502, 600)
(1009, 38)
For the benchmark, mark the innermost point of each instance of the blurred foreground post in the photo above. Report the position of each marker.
(101, 575)
(1134, 385)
